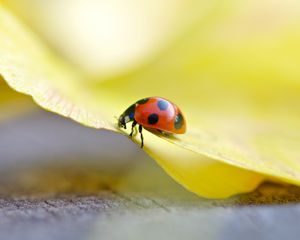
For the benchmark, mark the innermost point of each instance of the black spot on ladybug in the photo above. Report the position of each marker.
(153, 118)
(162, 105)
(178, 121)
(142, 101)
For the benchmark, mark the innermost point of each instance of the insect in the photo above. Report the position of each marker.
(154, 114)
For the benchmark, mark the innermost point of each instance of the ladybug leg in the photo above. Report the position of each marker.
(132, 128)
(142, 138)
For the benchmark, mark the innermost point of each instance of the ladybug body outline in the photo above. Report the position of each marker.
(154, 114)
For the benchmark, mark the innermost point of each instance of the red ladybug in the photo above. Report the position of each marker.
(154, 114)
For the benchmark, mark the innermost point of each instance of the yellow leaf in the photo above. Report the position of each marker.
(29, 67)
(198, 173)
(238, 89)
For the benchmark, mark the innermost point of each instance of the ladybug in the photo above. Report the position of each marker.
(154, 114)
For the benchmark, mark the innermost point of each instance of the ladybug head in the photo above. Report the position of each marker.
(121, 122)
(127, 116)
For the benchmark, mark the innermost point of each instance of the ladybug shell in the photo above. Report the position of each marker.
(161, 114)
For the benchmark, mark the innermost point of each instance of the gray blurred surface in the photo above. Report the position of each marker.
(60, 180)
